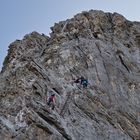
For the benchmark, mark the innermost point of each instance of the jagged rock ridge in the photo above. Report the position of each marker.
(102, 47)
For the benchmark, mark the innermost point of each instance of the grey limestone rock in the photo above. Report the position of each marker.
(104, 48)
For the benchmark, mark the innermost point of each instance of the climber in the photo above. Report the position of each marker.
(82, 81)
(51, 101)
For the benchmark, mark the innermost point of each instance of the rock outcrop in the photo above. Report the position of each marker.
(104, 48)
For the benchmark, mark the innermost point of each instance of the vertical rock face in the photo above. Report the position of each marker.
(104, 48)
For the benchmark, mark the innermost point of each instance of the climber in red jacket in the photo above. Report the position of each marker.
(51, 101)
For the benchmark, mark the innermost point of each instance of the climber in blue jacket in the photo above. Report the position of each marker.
(83, 81)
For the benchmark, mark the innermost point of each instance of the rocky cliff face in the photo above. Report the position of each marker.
(104, 48)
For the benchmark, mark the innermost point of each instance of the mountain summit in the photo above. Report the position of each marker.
(104, 48)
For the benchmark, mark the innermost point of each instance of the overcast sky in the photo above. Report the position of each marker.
(20, 17)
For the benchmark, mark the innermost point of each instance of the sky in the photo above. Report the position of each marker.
(20, 17)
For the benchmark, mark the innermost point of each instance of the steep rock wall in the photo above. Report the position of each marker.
(102, 47)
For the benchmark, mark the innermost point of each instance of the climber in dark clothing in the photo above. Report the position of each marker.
(51, 101)
(82, 81)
